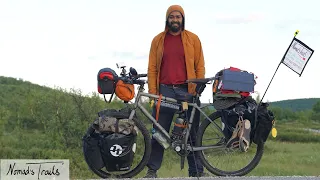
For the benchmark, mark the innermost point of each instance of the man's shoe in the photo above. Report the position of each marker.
(201, 174)
(151, 174)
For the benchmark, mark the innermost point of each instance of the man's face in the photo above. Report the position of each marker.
(175, 21)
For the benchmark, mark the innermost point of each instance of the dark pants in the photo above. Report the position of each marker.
(165, 119)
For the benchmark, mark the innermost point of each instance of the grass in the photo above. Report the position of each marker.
(279, 159)
(296, 132)
(289, 159)
(294, 152)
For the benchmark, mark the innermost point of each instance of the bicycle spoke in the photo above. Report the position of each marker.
(225, 161)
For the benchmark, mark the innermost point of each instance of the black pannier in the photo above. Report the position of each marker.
(110, 142)
(117, 151)
(91, 150)
(230, 118)
(261, 119)
(265, 120)
(107, 79)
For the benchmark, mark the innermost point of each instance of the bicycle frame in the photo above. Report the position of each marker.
(194, 106)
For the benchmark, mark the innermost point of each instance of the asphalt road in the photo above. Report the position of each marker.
(241, 178)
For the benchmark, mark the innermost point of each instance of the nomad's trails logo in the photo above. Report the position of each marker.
(34, 169)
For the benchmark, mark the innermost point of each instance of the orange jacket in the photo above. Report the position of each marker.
(193, 56)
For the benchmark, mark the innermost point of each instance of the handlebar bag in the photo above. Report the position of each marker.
(124, 91)
(107, 79)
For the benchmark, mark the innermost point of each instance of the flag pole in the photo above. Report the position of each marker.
(295, 34)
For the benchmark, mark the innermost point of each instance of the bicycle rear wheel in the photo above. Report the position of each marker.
(140, 164)
(225, 161)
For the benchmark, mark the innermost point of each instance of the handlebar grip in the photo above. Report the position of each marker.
(142, 75)
(138, 81)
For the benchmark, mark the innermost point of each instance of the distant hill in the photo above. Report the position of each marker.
(31, 106)
(295, 104)
(290, 104)
(12, 87)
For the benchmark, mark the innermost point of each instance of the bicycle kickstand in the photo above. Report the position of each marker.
(182, 162)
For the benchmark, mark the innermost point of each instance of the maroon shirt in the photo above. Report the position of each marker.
(173, 66)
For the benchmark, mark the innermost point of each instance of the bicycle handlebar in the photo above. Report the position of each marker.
(138, 81)
(133, 79)
(142, 75)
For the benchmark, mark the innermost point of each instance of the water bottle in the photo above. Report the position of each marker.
(178, 128)
(160, 138)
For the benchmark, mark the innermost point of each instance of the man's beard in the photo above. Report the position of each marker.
(174, 28)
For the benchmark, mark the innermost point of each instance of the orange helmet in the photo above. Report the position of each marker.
(124, 91)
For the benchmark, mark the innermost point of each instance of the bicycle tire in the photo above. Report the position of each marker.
(143, 162)
(241, 172)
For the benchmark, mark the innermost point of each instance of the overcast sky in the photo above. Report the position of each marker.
(66, 42)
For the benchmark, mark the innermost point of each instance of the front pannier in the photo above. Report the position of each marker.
(110, 142)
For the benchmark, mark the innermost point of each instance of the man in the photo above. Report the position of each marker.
(175, 56)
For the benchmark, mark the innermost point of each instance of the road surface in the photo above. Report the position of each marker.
(239, 178)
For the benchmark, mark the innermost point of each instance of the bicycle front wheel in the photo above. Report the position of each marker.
(223, 161)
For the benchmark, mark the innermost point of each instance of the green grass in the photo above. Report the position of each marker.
(279, 159)
(294, 151)
(296, 155)
(289, 159)
(295, 132)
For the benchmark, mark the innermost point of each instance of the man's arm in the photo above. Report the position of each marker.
(152, 68)
(199, 59)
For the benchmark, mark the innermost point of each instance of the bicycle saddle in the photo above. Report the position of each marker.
(200, 81)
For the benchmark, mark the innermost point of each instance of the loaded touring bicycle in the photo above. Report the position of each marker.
(230, 140)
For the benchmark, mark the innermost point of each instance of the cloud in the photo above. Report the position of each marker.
(238, 18)
(137, 59)
(290, 23)
(122, 54)
(129, 55)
